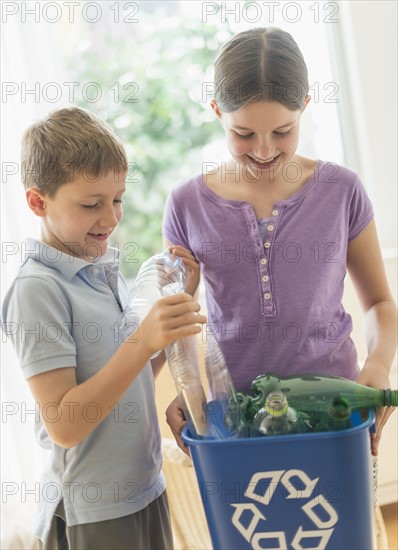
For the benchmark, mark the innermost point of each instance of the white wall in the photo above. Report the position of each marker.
(370, 27)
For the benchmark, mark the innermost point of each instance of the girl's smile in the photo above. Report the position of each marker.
(264, 164)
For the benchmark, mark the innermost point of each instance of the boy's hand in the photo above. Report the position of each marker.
(375, 376)
(176, 420)
(168, 319)
(192, 268)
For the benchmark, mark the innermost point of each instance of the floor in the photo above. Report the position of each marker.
(390, 515)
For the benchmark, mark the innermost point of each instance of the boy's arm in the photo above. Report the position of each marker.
(170, 318)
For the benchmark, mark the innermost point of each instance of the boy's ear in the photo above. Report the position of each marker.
(216, 108)
(36, 201)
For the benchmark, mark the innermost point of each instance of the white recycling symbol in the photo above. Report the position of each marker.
(297, 485)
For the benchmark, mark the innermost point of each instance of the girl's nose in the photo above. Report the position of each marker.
(264, 150)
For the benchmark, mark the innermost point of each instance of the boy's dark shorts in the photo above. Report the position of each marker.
(145, 530)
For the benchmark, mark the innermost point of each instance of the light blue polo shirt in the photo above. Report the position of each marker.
(63, 311)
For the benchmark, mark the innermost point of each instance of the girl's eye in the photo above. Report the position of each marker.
(244, 136)
(118, 201)
(282, 134)
(90, 205)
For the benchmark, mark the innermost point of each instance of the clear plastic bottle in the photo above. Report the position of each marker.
(163, 275)
(276, 417)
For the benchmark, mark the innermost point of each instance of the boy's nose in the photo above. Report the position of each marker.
(109, 218)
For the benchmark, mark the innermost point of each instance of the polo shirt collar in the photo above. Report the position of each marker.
(66, 264)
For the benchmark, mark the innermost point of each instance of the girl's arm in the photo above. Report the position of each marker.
(170, 318)
(365, 265)
(192, 268)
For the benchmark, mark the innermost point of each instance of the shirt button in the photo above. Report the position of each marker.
(267, 244)
(275, 212)
(263, 261)
(267, 296)
(270, 227)
(95, 271)
(265, 278)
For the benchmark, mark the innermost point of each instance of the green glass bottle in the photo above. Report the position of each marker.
(313, 394)
(338, 417)
(238, 414)
(277, 418)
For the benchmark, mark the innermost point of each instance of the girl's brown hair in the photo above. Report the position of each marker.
(260, 64)
(67, 143)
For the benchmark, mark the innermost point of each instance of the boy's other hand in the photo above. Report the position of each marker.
(169, 318)
(192, 268)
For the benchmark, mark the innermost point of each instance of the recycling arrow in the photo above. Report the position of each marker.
(294, 492)
(323, 535)
(257, 516)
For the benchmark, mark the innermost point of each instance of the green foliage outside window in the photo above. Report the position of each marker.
(157, 76)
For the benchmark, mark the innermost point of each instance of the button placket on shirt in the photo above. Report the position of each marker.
(268, 302)
(96, 274)
(264, 249)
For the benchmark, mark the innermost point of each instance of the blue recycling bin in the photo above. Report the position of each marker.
(299, 491)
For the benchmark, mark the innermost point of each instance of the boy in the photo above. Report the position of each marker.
(95, 392)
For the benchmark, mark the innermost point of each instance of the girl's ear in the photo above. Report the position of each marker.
(216, 108)
(306, 101)
(36, 201)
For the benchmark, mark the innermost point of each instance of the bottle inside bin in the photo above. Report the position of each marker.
(163, 275)
(314, 394)
(337, 418)
(277, 418)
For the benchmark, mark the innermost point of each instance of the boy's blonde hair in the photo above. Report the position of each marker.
(67, 143)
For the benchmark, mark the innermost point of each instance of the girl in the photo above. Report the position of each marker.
(275, 233)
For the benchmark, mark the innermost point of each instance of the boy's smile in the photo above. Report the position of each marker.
(82, 215)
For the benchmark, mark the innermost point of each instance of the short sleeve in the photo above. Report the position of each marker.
(38, 322)
(174, 227)
(361, 210)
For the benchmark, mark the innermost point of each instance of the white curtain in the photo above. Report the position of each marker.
(29, 61)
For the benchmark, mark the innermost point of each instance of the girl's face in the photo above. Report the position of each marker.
(262, 136)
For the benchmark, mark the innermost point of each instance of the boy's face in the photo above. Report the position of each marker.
(82, 215)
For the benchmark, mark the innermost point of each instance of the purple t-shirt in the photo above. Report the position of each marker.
(275, 303)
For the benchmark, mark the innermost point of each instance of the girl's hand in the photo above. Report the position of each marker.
(176, 420)
(169, 318)
(192, 268)
(375, 376)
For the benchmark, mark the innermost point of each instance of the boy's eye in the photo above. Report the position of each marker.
(90, 205)
(282, 134)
